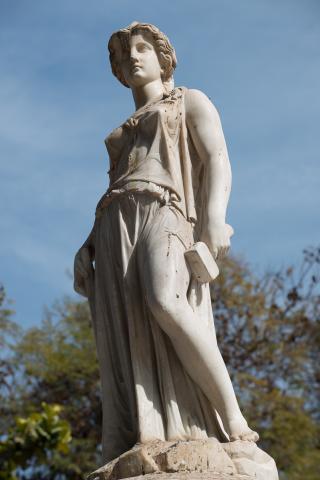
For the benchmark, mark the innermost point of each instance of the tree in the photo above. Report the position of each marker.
(9, 334)
(29, 449)
(268, 332)
(59, 365)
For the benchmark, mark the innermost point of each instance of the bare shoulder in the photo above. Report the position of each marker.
(194, 95)
(198, 105)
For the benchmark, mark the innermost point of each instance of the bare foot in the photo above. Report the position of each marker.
(239, 430)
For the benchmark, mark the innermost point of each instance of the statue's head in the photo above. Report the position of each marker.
(142, 52)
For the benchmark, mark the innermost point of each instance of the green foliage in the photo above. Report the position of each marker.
(8, 331)
(58, 364)
(32, 442)
(9, 335)
(268, 332)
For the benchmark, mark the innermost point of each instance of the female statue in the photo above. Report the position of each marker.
(162, 373)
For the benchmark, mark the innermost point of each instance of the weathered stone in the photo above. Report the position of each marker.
(200, 455)
(191, 476)
(136, 462)
(198, 459)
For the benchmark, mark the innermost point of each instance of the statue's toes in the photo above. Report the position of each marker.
(249, 436)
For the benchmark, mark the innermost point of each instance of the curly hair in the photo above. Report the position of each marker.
(120, 41)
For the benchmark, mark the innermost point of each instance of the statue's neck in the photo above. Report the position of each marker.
(147, 93)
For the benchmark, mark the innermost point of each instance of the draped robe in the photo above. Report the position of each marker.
(156, 197)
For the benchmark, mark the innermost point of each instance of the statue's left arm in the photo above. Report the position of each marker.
(204, 126)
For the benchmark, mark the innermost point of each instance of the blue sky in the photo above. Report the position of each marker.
(258, 60)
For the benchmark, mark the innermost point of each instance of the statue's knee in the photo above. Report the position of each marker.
(165, 308)
(157, 302)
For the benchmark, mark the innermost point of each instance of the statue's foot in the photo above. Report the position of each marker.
(239, 430)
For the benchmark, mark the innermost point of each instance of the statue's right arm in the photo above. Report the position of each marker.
(83, 267)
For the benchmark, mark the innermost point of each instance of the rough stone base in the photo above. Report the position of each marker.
(192, 460)
(189, 476)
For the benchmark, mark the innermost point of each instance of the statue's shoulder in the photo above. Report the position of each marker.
(195, 96)
(197, 103)
(194, 99)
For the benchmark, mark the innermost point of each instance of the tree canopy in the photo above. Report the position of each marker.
(30, 448)
(268, 332)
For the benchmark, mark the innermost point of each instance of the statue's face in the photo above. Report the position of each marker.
(140, 64)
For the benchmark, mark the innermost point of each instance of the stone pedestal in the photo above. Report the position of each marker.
(192, 460)
(190, 476)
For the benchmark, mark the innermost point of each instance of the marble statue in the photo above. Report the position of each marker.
(162, 374)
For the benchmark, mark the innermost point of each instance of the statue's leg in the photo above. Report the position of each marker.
(166, 279)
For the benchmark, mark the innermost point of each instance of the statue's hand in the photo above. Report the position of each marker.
(83, 270)
(217, 238)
